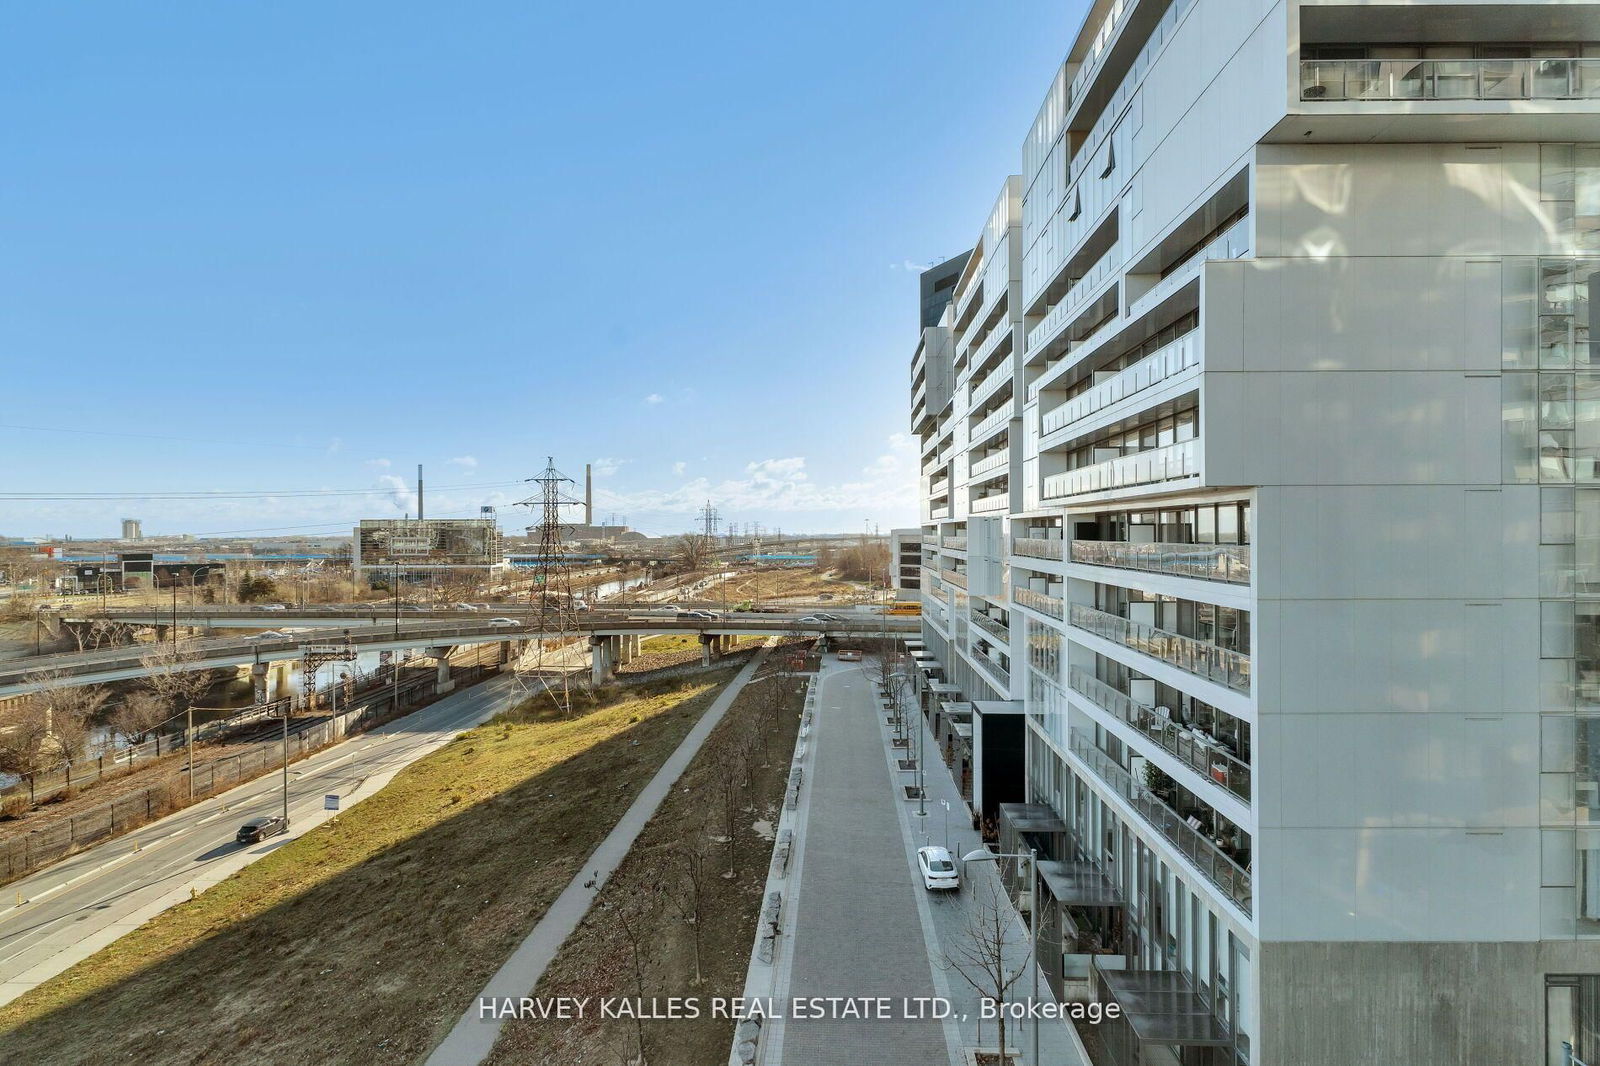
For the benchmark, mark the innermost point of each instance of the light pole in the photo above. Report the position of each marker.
(1032, 855)
(946, 805)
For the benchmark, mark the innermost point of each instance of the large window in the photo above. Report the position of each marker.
(1571, 1018)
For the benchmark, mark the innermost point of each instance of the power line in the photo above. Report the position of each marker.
(224, 494)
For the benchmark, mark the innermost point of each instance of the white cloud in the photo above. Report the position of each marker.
(775, 485)
(654, 398)
(377, 464)
(679, 467)
(401, 493)
(606, 467)
(465, 462)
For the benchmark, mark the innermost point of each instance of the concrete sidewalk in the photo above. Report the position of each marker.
(470, 1041)
(858, 920)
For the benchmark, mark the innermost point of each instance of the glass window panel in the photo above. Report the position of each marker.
(1555, 629)
(1555, 172)
(1556, 515)
(1556, 401)
(1520, 421)
(1557, 859)
(1555, 287)
(1556, 568)
(1556, 455)
(1555, 341)
(1557, 744)
(1227, 524)
(1518, 318)
(1205, 531)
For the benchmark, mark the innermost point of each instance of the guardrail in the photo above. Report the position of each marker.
(1208, 562)
(1141, 468)
(1233, 879)
(998, 630)
(1211, 761)
(1323, 80)
(1160, 365)
(994, 420)
(1039, 548)
(1053, 606)
(1221, 665)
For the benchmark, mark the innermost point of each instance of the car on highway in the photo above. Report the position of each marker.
(827, 617)
(504, 623)
(258, 829)
(272, 607)
(413, 607)
(813, 620)
(696, 616)
(466, 606)
(271, 634)
(938, 869)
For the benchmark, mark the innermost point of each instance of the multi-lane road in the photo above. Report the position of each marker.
(74, 908)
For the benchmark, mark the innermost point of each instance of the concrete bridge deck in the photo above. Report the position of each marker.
(123, 662)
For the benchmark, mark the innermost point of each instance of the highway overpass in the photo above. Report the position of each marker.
(604, 631)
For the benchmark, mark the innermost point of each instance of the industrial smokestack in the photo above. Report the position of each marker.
(419, 492)
(588, 495)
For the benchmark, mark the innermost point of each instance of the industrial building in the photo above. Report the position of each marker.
(1258, 467)
(427, 544)
(905, 561)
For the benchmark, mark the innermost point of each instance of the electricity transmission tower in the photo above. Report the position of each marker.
(709, 518)
(551, 592)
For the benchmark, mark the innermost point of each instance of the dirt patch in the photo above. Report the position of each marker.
(362, 941)
(646, 899)
(658, 653)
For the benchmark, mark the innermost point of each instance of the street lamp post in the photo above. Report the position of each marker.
(1032, 855)
(946, 805)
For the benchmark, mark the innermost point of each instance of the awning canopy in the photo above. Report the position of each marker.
(1031, 818)
(944, 688)
(956, 710)
(1080, 884)
(1161, 1007)
(997, 706)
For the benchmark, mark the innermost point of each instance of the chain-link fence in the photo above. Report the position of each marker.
(60, 837)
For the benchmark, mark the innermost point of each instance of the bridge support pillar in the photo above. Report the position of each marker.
(258, 682)
(508, 654)
(709, 651)
(602, 659)
(445, 683)
(626, 648)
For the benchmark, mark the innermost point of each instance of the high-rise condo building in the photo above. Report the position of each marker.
(1261, 470)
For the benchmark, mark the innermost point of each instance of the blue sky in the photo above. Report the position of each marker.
(262, 248)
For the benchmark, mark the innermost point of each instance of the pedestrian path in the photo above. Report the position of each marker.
(858, 921)
(852, 927)
(473, 1036)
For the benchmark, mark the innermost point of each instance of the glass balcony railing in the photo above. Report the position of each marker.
(954, 542)
(1039, 547)
(1140, 468)
(1078, 292)
(990, 463)
(988, 504)
(1208, 562)
(1449, 79)
(1206, 757)
(997, 418)
(1053, 606)
(1221, 665)
(995, 628)
(1158, 366)
(955, 577)
(1208, 855)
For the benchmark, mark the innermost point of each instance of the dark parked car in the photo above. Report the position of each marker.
(258, 829)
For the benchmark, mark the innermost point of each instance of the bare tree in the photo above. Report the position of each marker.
(689, 894)
(693, 551)
(990, 954)
(172, 674)
(634, 912)
(727, 771)
(49, 726)
(139, 715)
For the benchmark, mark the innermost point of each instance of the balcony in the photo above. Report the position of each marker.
(930, 539)
(1039, 547)
(939, 511)
(1208, 562)
(1158, 366)
(1233, 243)
(957, 541)
(1105, 267)
(988, 463)
(992, 342)
(996, 419)
(1207, 855)
(995, 628)
(1050, 606)
(1323, 80)
(1141, 468)
(957, 578)
(1208, 759)
(998, 501)
(990, 384)
(1225, 667)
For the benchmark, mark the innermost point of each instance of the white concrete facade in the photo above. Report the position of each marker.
(1293, 522)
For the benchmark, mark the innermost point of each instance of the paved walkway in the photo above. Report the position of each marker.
(473, 1036)
(859, 921)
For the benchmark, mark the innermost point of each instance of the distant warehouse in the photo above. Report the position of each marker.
(427, 543)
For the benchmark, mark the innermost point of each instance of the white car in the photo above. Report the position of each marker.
(466, 607)
(271, 607)
(938, 869)
(271, 634)
(813, 620)
(505, 623)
